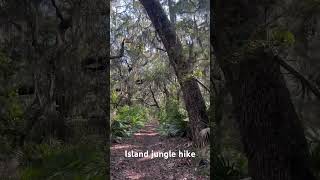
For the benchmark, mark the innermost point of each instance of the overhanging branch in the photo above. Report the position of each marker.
(205, 87)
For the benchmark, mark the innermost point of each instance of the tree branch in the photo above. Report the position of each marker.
(303, 80)
(205, 87)
(161, 49)
(58, 12)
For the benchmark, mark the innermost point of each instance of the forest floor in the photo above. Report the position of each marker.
(147, 168)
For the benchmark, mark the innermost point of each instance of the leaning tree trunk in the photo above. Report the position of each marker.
(270, 129)
(192, 96)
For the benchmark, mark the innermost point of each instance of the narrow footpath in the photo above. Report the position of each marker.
(146, 168)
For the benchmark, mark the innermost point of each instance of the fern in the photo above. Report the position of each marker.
(127, 120)
(173, 121)
(224, 169)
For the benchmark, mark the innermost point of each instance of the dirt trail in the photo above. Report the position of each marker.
(145, 168)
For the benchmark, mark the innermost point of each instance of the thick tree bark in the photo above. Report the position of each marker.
(271, 131)
(193, 99)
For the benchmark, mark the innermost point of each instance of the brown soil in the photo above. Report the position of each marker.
(145, 168)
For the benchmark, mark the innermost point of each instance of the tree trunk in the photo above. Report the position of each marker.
(195, 107)
(271, 132)
(192, 96)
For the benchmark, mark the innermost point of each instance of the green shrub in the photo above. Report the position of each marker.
(127, 120)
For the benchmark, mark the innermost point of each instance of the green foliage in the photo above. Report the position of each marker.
(127, 120)
(114, 98)
(224, 169)
(283, 36)
(58, 161)
(11, 110)
(172, 119)
(198, 73)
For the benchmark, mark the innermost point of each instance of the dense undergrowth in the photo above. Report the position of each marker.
(171, 116)
(56, 160)
(128, 119)
(173, 120)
